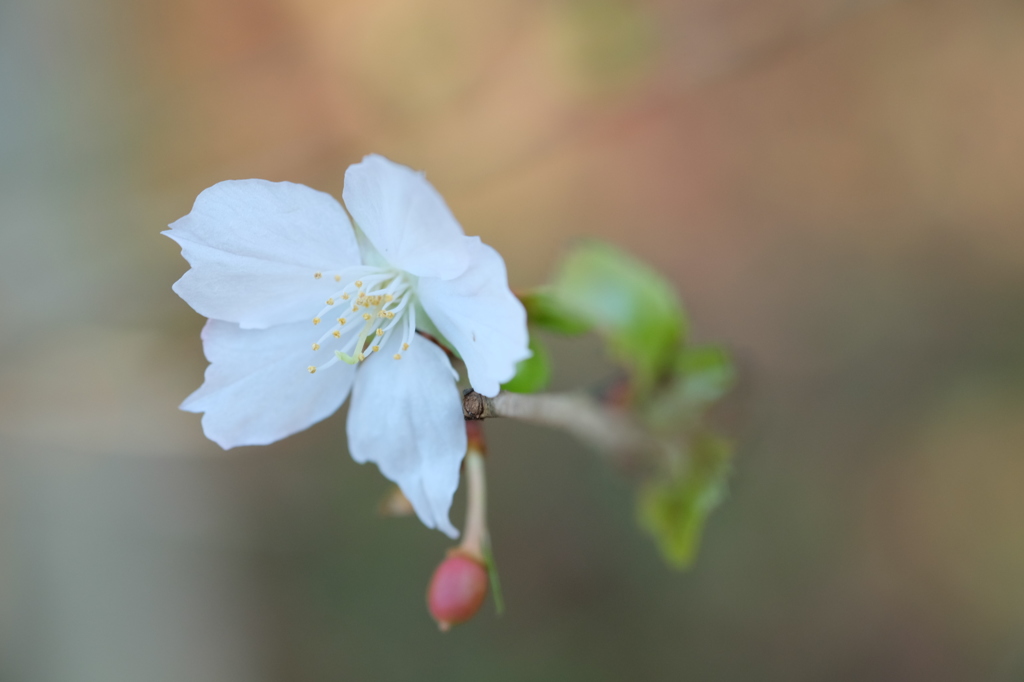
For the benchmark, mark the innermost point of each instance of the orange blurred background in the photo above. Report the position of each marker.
(835, 186)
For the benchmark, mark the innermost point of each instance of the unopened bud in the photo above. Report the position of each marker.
(457, 589)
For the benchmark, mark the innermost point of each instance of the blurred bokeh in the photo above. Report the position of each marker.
(835, 186)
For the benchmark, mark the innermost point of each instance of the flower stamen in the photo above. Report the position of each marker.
(382, 299)
(410, 328)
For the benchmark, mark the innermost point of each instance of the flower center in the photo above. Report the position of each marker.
(376, 303)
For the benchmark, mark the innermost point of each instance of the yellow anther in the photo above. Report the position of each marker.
(316, 320)
(376, 349)
(382, 314)
(355, 308)
(362, 295)
(398, 356)
(380, 332)
(330, 301)
(337, 278)
(388, 298)
(316, 346)
(336, 334)
(342, 320)
(366, 316)
(312, 369)
(390, 314)
(344, 297)
(405, 346)
(317, 275)
(360, 357)
(359, 283)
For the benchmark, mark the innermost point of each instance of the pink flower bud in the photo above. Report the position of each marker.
(457, 589)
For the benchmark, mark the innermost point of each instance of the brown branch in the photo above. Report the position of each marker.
(606, 428)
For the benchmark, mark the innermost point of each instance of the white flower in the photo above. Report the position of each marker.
(304, 309)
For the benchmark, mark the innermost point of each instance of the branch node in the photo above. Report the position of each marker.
(474, 405)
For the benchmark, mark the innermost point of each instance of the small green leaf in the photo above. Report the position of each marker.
(533, 373)
(675, 510)
(631, 305)
(706, 373)
(701, 376)
(544, 310)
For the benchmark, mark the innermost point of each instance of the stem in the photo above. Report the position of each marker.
(607, 428)
(474, 536)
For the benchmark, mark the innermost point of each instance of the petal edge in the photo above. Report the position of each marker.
(406, 416)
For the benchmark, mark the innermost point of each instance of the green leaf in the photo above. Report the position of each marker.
(545, 311)
(701, 376)
(533, 373)
(675, 510)
(705, 372)
(631, 305)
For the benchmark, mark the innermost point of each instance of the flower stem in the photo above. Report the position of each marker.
(474, 537)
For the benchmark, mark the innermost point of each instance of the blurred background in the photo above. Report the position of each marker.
(835, 186)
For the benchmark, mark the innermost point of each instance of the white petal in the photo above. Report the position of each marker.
(255, 247)
(406, 415)
(405, 218)
(258, 388)
(481, 317)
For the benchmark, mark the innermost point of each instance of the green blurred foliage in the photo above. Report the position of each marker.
(674, 510)
(546, 311)
(671, 385)
(702, 375)
(533, 373)
(627, 303)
